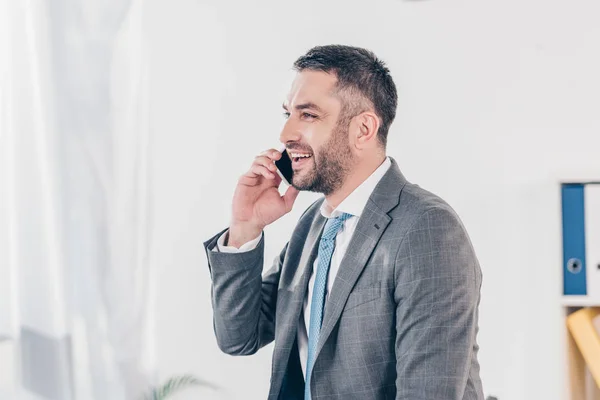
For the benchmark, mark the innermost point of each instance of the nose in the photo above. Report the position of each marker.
(289, 133)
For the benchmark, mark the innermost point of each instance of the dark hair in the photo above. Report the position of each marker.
(360, 72)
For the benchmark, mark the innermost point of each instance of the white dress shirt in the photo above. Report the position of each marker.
(353, 204)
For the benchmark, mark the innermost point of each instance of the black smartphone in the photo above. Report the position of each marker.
(284, 167)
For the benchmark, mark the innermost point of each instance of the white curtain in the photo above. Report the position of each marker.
(74, 183)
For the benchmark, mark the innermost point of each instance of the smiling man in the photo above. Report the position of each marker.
(376, 293)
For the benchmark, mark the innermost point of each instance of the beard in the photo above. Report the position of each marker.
(330, 165)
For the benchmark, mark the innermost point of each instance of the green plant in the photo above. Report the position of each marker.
(175, 384)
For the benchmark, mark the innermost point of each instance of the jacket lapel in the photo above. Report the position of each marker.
(299, 289)
(371, 225)
(309, 253)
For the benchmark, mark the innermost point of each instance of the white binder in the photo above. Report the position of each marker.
(592, 239)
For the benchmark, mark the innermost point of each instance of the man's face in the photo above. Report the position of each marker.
(314, 135)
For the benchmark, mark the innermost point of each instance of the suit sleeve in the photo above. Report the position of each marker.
(220, 247)
(243, 301)
(437, 291)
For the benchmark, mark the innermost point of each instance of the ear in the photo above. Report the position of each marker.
(366, 126)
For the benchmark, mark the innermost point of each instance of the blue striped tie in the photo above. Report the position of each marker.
(326, 247)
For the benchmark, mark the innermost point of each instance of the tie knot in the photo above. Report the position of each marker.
(333, 225)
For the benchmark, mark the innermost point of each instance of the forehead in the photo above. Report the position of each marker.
(313, 87)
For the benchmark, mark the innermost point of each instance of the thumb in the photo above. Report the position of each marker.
(290, 197)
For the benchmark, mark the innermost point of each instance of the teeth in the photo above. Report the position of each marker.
(300, 155)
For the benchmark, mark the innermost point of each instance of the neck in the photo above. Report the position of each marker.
(359, 174)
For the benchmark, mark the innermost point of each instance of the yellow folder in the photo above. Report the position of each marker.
(584, 326)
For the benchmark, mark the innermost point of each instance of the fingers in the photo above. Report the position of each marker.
(272, 153)
(268, 158)
(290, 197)
(266, 162)
(247, 180)
(257, 170)
(262, 167)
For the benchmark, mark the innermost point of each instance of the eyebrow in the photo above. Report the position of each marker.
(304, 106)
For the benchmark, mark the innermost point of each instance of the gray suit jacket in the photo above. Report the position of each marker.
(401, 318)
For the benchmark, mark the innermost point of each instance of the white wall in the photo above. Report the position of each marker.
(498, 100)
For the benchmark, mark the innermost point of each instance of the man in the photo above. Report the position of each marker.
(376, 294)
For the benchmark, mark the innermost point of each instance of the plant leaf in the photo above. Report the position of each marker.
(175, 384)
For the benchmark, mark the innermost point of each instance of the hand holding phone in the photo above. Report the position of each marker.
(256, 201)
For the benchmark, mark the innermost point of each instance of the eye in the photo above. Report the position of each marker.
(308, 115)
(286, 115)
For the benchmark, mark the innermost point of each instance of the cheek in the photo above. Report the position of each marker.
(311, 134)
(317, 136)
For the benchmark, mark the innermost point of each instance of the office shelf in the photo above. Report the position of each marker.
(579, 301)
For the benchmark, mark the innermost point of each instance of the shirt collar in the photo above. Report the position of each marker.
(356, 201)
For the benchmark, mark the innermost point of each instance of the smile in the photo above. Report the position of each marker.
(299, 159)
